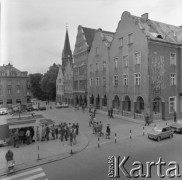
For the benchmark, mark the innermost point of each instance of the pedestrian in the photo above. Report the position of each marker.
(111, 113)
(28, 137)
(47, 133)
(175, 115)
(53, 132)
(77, 128)
(56, 132)
(147, 119)
(108, 131)
(16, 139)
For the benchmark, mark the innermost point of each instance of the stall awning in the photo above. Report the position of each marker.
(15, 126)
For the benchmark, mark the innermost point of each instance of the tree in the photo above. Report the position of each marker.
(35, 86)
(48, 82)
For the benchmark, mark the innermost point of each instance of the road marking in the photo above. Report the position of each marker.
(35, 176)
(22, 174)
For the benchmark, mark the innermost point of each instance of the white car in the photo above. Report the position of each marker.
(58, 105)
(65, 105)
(3, 111)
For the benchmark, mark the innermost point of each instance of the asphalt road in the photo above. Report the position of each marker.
(92, 163)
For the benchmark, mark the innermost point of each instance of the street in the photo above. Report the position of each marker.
(92, 162)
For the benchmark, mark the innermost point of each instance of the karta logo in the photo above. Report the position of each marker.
(116, 167)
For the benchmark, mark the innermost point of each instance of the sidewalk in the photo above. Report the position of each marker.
(26, 156)
(159, 122)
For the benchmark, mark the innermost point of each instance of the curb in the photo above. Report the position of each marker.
(54, 158)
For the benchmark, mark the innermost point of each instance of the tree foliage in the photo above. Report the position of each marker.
(48, 82)
(35, 86)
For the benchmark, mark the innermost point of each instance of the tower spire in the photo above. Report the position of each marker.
(67, 53)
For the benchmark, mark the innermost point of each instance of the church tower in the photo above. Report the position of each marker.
(66, 53)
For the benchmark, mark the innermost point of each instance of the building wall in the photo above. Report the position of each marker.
(59, 85)
(156, 50)
(125, 27)
(68, 83)
(80, 67)
(14, 87)
(93, 58)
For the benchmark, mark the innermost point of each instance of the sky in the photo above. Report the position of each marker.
(33, 31)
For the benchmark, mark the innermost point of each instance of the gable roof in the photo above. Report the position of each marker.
(107, 37)
(159, 31)
(89, 35)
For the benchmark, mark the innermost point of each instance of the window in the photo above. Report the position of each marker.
(130, 38)
(125, 61)
(1, 90)
(1, 102)
(18, 82)
(104, 65)
(172, 104)
(91, 68)
(116, 63)
(18, 91)
(97, 50)
(137, 79)
(121, 42)
(104, 81)
(125, 77)
(137, 58)
(9, 101)
(173, 79)
(116, 80)
(172, 58)
(97, 67)
(97, 81)
(91, 81)
(18, 101)
(9, 89)
(9, 82)
(60, 80)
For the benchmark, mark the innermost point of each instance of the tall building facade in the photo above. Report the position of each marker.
(60, 85)
(83, 45)
(98, 70)
(14, 86)
(148, 75)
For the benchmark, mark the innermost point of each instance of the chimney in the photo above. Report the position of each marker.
(144, 16)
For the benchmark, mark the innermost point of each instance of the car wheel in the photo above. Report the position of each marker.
(158, 138)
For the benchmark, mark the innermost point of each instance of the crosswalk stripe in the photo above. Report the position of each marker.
(34, 177)
(22, 174)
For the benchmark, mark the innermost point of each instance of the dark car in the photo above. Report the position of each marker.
(42, 107)
(177, 127)
(161, 133)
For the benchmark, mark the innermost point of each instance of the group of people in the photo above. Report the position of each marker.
(63, 131)
(21, 136)
(98, 127)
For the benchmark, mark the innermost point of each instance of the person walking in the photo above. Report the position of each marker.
(56, 132)
(47, 133)
(16, 139)
(28, 137)
(111, 113)
(108, 131)
(77, 128)
(147, 119)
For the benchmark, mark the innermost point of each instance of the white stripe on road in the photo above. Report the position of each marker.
(35, 176)
(22, 174)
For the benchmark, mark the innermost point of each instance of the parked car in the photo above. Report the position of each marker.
(162, 133)
(58, 105)
(65, 105)
(177, 127)
(42, 107)
(35, 107)
(3, 111)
